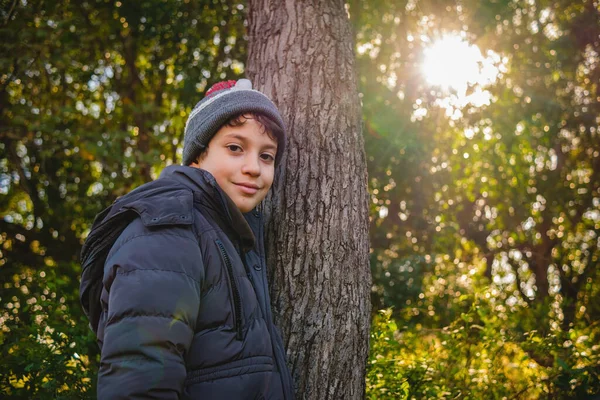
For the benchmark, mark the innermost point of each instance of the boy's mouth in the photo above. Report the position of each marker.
(248, 188)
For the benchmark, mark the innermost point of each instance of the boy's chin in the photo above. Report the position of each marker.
(246, 206)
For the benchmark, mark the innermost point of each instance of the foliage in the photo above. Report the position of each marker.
(511, 180)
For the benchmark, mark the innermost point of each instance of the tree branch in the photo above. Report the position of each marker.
(10, 13)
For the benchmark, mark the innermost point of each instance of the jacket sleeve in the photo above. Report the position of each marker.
(153, 286)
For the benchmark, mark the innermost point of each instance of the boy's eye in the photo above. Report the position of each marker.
(234, 147)
(267, 157)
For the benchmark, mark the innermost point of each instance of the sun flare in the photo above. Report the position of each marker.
(457, 67)
(452, 63)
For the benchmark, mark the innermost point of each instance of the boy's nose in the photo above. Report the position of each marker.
(251, 166)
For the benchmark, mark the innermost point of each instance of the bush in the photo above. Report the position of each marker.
(480, 356)
(47, 350)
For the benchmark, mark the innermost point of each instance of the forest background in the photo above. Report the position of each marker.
(481, 125)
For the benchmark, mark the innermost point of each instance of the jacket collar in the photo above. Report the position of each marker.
(214, 200)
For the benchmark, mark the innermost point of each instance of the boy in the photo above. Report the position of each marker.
(174, 276)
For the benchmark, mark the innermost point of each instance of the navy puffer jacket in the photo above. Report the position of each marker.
(185, 310)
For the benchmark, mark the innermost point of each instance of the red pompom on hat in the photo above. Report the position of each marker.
(219, 86)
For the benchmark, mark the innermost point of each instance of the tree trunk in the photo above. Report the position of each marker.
(301, 55)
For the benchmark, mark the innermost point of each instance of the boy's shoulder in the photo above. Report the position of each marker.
(159, 202)
(150, 208)
(169, 210)
(148, 239)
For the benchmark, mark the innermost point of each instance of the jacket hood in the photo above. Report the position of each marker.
(210, 195)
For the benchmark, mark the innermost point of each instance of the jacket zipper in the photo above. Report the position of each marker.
(237, 303)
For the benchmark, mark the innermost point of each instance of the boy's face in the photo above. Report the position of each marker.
(242, 160)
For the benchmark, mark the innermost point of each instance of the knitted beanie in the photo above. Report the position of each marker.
(224, 101)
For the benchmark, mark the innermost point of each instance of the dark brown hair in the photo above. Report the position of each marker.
(269, 126)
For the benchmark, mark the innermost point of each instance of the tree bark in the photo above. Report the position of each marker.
(301, 55)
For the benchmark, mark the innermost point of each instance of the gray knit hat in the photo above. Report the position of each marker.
(223, 101)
